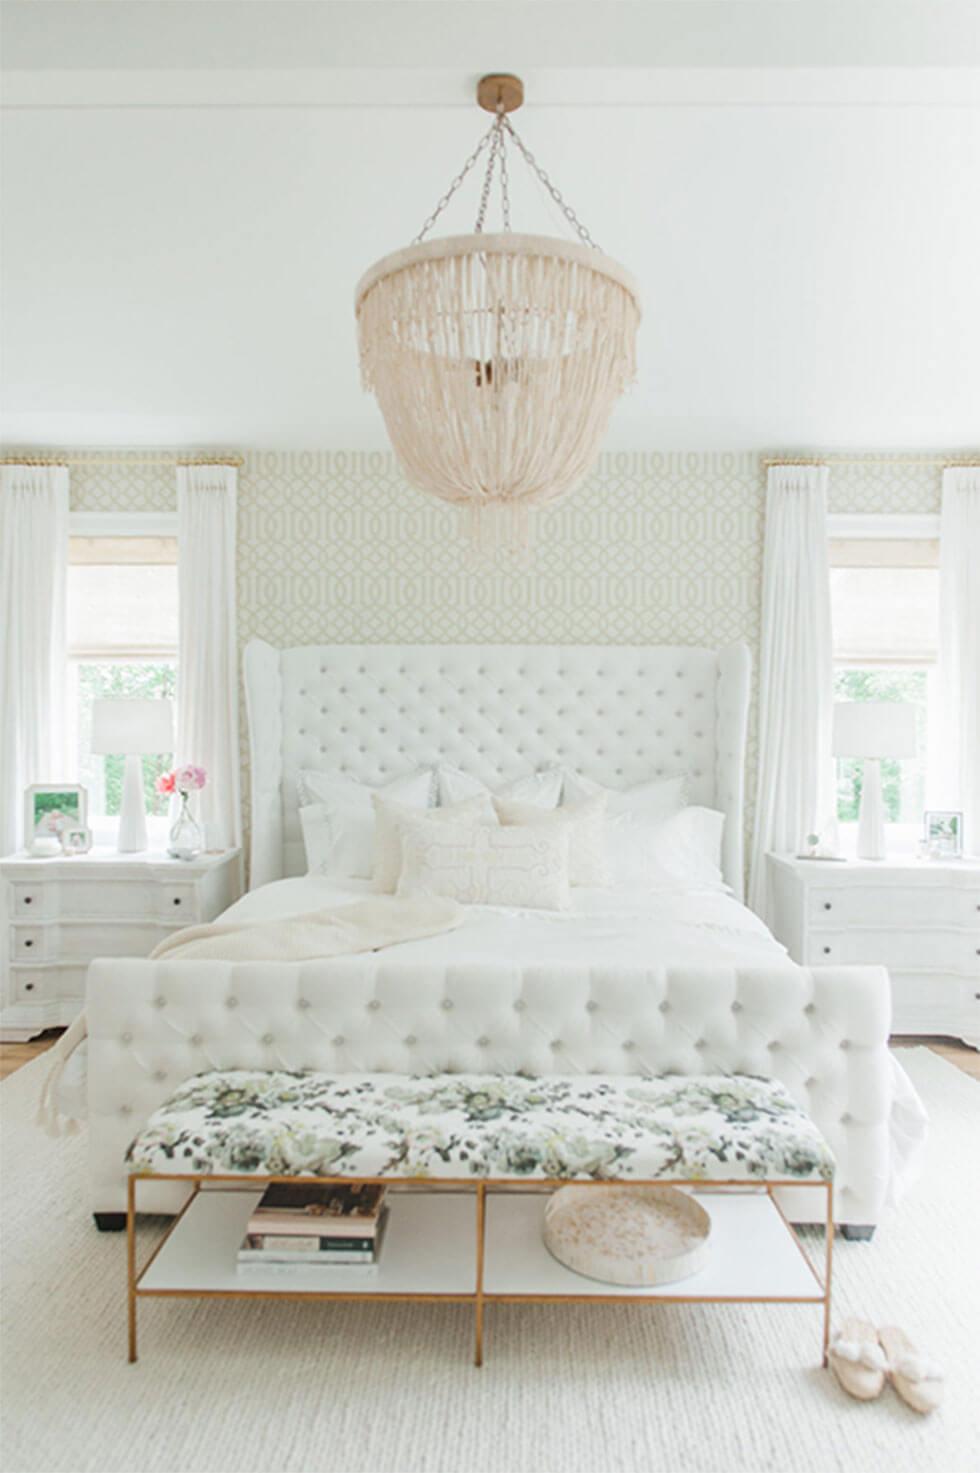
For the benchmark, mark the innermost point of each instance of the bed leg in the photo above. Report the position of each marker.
(131, 1264)
(110, 1222)
(857, 1232)
(481, 1222)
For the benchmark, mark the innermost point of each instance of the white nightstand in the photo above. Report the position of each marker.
(60, 913)
(919, 918)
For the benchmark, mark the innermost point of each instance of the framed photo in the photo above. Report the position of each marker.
(76, 840)
(944, 833)
(51, 807)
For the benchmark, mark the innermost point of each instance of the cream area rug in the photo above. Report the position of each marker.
(259, 1388)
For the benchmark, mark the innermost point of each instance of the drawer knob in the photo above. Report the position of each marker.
(827, 905)
(29, 898)
(28, 943)
(826, 951)
(28, 986)
(176, 900)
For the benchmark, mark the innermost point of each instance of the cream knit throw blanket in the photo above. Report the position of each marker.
(365, 925)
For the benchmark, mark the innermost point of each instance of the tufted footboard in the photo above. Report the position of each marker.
(822, 1032)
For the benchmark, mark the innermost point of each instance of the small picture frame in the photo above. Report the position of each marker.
(76, 840)
(943, 833)
(49, 808)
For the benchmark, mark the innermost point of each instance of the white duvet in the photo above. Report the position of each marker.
(632, 928)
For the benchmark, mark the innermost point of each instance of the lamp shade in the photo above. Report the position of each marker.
(131, 726)
(874, 729)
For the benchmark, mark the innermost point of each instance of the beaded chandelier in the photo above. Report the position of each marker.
(496, 358)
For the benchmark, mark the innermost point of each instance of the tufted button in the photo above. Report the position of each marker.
(665, 1006)
(809, 1083)
(446, 1004)
(591, 1006)
(483, 1041)
(700, 1043)
(410, 1040)
(196, 1040)
(125, 1109)
(339, 1041)
(231, 1002)
(159, 1002)
(126, 1037)
(159, 1075)
(268, 1039)
(810, 1008)
(302, 1003)
(845, 1043)
(736, 1006)
(628, 1046)
(556, 1045)
(774, 1045)
(846, 1118)
(373, 1005)
(520, 1005)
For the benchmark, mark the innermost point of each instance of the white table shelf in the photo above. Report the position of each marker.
(430, 1248)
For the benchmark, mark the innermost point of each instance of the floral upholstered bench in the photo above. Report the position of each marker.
(700, 1128)
(225, 1135)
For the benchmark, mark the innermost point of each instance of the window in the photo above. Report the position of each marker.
(884, 592)
(122, 641)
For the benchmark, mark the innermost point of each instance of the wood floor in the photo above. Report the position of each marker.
(14, 1055)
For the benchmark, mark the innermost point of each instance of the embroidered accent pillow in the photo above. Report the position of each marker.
(477, 864)
(586, 822)
(542, 789)
(337, 819)
(389, 818)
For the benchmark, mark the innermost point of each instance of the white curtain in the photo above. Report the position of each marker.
(795, 785)
(33, 572)
(956, 744)
(207, 674)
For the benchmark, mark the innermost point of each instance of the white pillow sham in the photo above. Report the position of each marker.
(647, 802)
(682, 853)
(543, 788)
(337, 818)
(478, 864)
(389, 817)
(586, 821)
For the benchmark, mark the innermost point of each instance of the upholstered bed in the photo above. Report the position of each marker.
(620, 984)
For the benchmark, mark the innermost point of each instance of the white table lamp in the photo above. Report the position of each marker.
(872, 730)
(132, 728)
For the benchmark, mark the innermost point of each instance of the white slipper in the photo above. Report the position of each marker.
(918, 1380)
(857, 1360)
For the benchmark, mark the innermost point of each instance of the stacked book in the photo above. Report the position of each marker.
(297, 1223)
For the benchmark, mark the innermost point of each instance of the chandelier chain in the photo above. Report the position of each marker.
(481, 214)
(484, 141)
(552, 189)
(495, 138)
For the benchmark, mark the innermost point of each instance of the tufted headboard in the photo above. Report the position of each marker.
(619, 714)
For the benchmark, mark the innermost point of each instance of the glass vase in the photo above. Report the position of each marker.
(186, 839)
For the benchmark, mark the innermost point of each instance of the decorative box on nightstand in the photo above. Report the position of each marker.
(918, 918)
(61, 913)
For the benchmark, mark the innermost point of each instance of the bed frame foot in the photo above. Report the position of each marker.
(110, 1222)
(855, 1232)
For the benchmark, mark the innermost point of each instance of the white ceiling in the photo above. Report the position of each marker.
(190, 191)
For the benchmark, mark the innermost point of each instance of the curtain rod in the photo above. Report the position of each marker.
(122, 458)
(830, 460)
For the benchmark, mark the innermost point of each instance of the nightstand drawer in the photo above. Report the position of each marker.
(90, 898)
(42, 984)
(909, 950)
(177, 904)
(81, 941)
(893, 905)
(31, 901)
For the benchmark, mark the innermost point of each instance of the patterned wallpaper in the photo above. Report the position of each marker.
(335, 548)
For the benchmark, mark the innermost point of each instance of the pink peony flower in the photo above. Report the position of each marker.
(189, 779)
(165, 783)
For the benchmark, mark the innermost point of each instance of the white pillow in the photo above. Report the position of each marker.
(543, 788)
(649, 802)
(587, 862)
(682, 853)
(477, 864)
(389, 818)
(338, 819)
